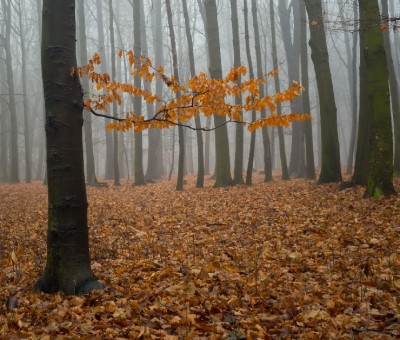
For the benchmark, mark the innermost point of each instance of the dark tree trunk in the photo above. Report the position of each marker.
(68, 261)
(394, 92)
(330, 169)
(361, 165)
(380, 174)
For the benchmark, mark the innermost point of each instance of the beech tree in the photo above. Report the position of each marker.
(68, 260)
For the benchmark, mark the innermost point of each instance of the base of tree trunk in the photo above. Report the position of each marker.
(69, 288)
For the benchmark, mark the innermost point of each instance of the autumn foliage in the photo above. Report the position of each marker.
(202, 94)
(286, 259)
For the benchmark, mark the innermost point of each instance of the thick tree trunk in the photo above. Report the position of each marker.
(330, 169)
(310, 165)
(361, 165)
(281, 138)
(223, 167)
(68, 261)
(260, 74)
(87, 116)
(238, 170)
(380, 175)
(394, 92)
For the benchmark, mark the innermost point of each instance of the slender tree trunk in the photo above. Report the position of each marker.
(330, 169)
(281, 137)
(109, 168)
(264, 130)
(87, 117)
(137, 101)
(310, 165)
(68, 261)
(114, 104)
(13, 143)
(181, 158)
(238, 170)
(199, 134)
(380, 174)
(249, 172)
(27, 133)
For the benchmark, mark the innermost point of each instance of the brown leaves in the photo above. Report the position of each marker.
(283, 259)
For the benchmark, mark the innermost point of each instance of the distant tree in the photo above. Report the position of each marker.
(5, 40)
(91, 178)
(68, 261)
(281, 137)
(330, 168)
(223, 167)
(199, 134)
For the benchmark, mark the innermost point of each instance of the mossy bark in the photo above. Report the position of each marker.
(380, 175)
(330, 167)
(68, 261)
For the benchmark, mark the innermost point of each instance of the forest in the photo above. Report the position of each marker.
(199, 169)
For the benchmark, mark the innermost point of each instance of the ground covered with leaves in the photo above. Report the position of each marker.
(286, 259)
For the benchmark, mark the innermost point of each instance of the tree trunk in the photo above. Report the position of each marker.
(361, 165)
(292, 48)
(137, 101)
(87, 116)
(109, 168)
(249, 172)
(281, 137)
(310, 164)
(199, 134)
(394, 92)
(13, 141)
(223, 172)
(330, 168)
(260, 74)
(181, 157)
(380, 174)
(238, 170)
(27, 125)
(68, 261)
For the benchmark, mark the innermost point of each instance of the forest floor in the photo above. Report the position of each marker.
(287, 259)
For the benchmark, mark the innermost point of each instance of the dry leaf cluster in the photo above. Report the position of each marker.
(285, 259)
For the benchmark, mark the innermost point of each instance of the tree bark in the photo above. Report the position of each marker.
(68, 261)
(330, 168)
(380, 175)
(223, 172)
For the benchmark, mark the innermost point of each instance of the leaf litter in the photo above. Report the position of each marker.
(287, 259)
